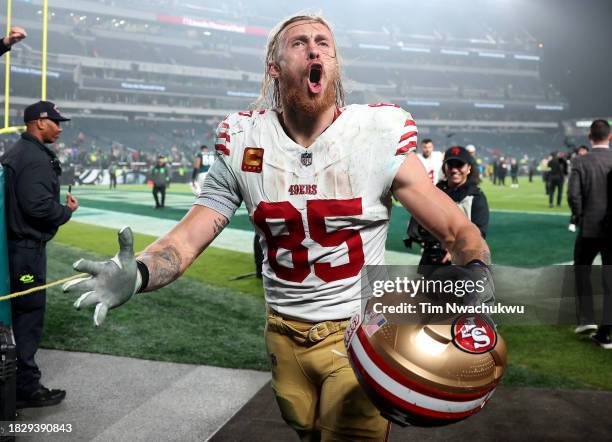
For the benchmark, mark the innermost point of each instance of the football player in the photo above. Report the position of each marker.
(431, 159)
(316, 178)
(203, 160)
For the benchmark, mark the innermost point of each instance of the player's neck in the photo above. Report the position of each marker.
(304, 129)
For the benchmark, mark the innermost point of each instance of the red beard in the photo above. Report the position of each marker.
(295, 96)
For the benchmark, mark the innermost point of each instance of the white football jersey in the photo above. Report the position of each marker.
(433, 165)
(322, 211)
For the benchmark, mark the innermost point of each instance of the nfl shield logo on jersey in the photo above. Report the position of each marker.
(307, 158)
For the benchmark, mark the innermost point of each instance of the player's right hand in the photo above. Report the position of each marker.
(111, 283)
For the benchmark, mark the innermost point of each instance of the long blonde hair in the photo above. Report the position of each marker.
(269, 95)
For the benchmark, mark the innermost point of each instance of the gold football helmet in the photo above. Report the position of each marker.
(429, 370)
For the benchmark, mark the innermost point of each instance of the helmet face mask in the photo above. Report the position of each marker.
(429, 371)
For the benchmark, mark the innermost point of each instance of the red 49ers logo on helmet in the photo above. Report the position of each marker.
(474, 334)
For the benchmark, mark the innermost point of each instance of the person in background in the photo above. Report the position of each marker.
(582, 150)
(589, 199)
(545, 169)
(531, 169)
(431, 159)
(33, 216)
(472, 151)
(502, 172)
(461, 183)
(477, 162)
(16, 34)
(203, 160)
(160, 175)
(514, 170)
(112, 174)
(556, 178)
(432, 162)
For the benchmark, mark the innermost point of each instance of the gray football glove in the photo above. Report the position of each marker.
(111, 283)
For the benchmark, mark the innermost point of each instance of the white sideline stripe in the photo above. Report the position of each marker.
(571, 263)
(236, 240)
(185, 200)
(410, 396)
(519, 212)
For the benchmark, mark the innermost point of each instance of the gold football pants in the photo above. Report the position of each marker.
(315, 386)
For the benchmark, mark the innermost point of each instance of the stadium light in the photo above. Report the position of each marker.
(489, 105)
(527, 57)
(491, 54)
(414, 49)
(549, 107)
(453, 52)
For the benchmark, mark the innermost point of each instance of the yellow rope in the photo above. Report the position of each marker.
(42, 287)
(48, 285)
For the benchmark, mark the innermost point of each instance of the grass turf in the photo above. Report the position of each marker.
(553, 356)
(215, 267)
(528, 197)
(205, 318)
(187, 321)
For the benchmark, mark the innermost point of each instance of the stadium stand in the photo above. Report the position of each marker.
(174, 61)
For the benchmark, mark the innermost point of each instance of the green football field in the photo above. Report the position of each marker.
(523, 231)
(206, 317)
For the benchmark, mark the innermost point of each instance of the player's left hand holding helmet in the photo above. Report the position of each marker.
(479, 290)
(425, 369)
(111, 283)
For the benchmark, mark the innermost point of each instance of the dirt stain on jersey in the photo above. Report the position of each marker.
(337, 183)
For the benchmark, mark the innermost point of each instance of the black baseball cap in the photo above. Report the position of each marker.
(458, 153)
(42, 110)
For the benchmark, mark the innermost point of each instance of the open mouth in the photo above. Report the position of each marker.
(314, 78)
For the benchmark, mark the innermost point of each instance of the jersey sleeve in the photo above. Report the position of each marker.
(220, 190)
(402, 131)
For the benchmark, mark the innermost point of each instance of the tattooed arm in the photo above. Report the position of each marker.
(168, 257)
(113, 282)
(435, 211)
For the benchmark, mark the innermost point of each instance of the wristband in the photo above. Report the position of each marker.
(477, 263)
(143, 272)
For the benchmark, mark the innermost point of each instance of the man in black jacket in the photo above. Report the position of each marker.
(556, 178)
(589, 200)
(33, 215)
(160, 175)
(15, 36)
